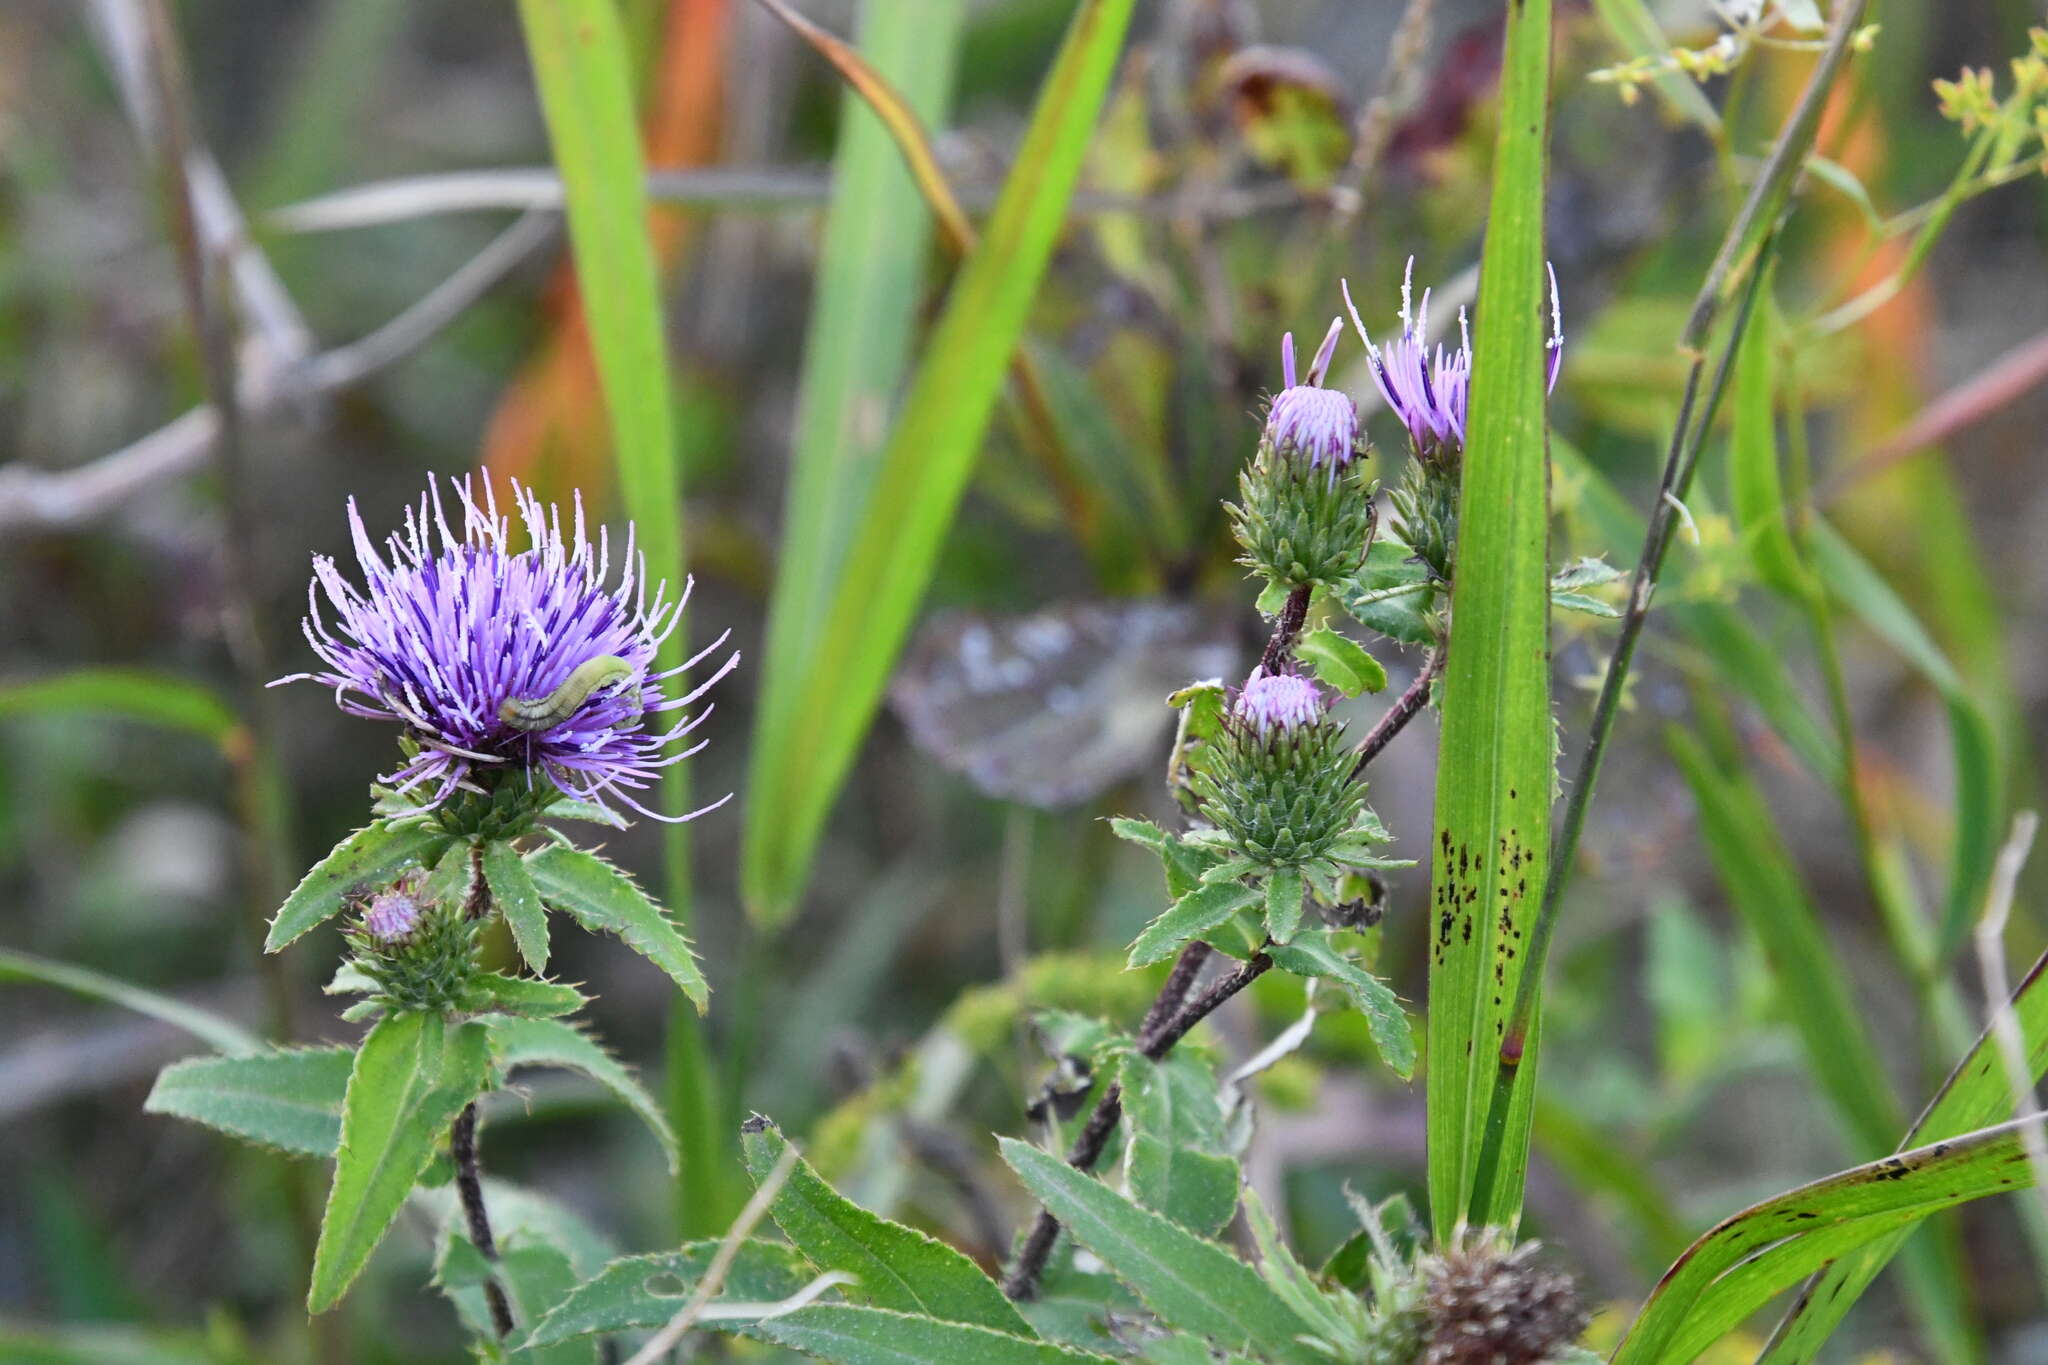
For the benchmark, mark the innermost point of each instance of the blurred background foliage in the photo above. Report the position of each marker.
(1845, 754)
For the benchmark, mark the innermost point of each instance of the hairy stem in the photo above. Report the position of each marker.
(469, 1184)
(1406, 707)
(1154, 1042)
(1292, 615)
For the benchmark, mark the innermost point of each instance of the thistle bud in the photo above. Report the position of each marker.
(1305, 512)
(1279, 783)
(1492, 1306)
(421, 954)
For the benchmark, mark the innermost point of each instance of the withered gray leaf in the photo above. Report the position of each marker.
(1053, 707)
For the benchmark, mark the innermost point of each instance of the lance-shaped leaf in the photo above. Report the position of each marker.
(412, 1076)
(801, 763)
(1192, 1284)
(1341, 662)
(1976, 1093)
(518, 900)
(1194, 914)
(1178, 1157)
(603, 899)
(646, 1291)
(289, 1099)
(494, 992)
(1317, 954)
(899, 1268)
(517, 1042)
(1494, 767)
(1715, 1284)
(368, 860)
(853, 1335)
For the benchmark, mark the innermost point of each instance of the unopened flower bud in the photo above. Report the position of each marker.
(422, 955)
(1279, 784)
(1491, 1306)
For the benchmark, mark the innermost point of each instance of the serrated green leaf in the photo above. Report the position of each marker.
(1190, 1283)
(517, 1042)
(1496, 757)
(605, 900)
(1316, 954)
(368, 860)
(518, 900)
(453, 874)
(1194, 914)
(854, 1335)
(647, 1291)
(1140, 832)
(411, 1077)
(521, 995)
(289, 1099)
(1284, 894)
(804, 750)
(899, 1268)
(1585, 572)
(1586, 606)
(1391, 593)
(535, 1277)
(1177, 1157)
(1341, 662)
(569, 808)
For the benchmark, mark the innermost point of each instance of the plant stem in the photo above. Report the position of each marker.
(1154, 1042)
(469, 1184)
(1406, 707)
(1292, 615)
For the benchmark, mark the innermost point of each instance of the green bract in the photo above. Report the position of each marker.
(1283, 797)
(1302, 524)
(430, 969)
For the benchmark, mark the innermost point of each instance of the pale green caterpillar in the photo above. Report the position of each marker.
(543, 713)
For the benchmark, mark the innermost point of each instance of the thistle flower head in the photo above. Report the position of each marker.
(1429, 390)
(505, 665)
(1284, 701)
(392, 914)
(1489, 1305)
(1308, 421)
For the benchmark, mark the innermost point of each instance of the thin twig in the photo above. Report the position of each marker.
(666, 1340)
(1022, 1281)
(469, 1185)
(2004, 1025)
(72, 497)
(1406, 707)
(1292, 614)
(1400, 78)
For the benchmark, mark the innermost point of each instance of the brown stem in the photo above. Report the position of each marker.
(1406, 707)
(1022, 1282)
(469, 1183)
(1292, 615)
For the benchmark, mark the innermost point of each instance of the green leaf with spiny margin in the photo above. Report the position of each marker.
(368, 860)
(517, 1042)
(1177, 1159)
(854, 1335)
(1341, 662)
(412, 1076)
(1188, 918)
(1317, 954)
(899, 1268)
(1392, 593)
(289, 1099)
(521, 995)
(646, 1291)
(1284, 894)
(569, 808)
(1192, 1284)
(518, 900)
(1140, 832)
(1496, 755)
(535, 1277)
(603, 899)
(453, 874)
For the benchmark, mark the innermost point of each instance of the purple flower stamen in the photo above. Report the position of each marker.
(392, 915)
(449, 626)
(1308, 420)
(1429, 390)
(1285, 700)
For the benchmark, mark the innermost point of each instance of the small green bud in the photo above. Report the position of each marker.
(422, 954)
(1278, 784)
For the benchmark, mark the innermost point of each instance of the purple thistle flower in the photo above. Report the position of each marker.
(1308, 419)
(392, 915)
(441, 639)
(1285, 700)
(1429, 390)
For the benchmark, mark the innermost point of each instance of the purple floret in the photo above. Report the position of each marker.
(392, 915)
(1308, 420)
(439, 639)
(1286, 700)
(1430, 390)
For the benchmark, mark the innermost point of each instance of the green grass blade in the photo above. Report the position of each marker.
(130, 693)
(222, 1035)
(584, 74)
(802, 762)
(865, 303)
(1976, 1093)
(1494, 769)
